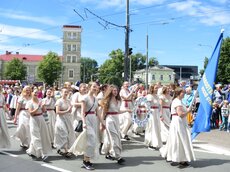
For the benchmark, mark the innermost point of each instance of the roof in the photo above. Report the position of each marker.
(25, 57)
(71, 26)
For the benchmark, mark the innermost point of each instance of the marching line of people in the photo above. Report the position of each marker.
(48, 120)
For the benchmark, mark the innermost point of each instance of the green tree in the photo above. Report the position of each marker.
(50, 68)
(89, 69)
(153, 61)
(205, 65)
(15, 70)
(111, 70)
(224, 63)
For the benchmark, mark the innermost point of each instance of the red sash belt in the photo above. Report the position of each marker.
(49, 109)
(142, 111)
(1, 106)
(23, 109)
(154, 107)
(141, 107)
(38, 114)
(90, 113)
(175, 114)
(112, 113)
(166, 107)
(126, 102)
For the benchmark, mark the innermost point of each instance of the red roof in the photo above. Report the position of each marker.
(24, 57)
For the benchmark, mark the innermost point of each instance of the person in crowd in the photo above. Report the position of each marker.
(224, 113)
(165, 114)
(188, 101)
(57, 92)
(40, 145)
(68, 85)
(86, 142)
(153, 129)
(77, 105)
(215, 116)
(49, 102)
(22, 117)
(101, 130)
(13, 103)
(4, 133)
(40, 92)
(140, 89)
(178, 149)
(127, 98)
(63, 131)
(110, 112)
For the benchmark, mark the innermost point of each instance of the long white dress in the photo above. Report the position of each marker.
(179, 145)
(152, 131)
(64, 133)
(166, 114)
(23, 130)
(112, 140)
(50, 106)
(40, 144)
(87, 141)
(4, 133)
(125, 118)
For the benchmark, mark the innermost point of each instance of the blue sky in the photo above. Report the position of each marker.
(181, 32)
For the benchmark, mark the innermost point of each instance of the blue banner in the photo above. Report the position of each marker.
(205, 90)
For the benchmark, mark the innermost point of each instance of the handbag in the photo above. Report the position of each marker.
(79, 127)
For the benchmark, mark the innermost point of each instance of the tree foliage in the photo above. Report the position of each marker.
(205, 65)
(15, 70)
(224, 63)
(111, 70)
(89, 68)
(50, 68)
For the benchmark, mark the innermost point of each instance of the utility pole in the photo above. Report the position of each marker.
(126, 59)
(147, 59)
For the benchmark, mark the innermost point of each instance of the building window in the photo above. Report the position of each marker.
(153, 77)
(68, 60)
(170, 77)
(74, 59)
(162, 78)
(74, 35)
(71, 75)
(74, 47)
(69, 35)
(68, 47)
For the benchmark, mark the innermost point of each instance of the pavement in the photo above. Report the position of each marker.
(212, 151)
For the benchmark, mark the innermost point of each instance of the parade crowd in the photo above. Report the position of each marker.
(52, 118)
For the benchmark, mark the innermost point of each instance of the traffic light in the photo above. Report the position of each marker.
(130, 51)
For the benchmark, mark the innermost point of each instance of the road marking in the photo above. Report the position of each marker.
(10, 154)
(55, 168)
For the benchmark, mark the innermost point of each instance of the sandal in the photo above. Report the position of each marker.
(68, 154)
(60, 152)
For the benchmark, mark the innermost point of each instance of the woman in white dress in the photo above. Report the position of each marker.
(153, 128)
(165, 102)
(23, 117)
(178, 148)
(111, 110)
(40, 145)
(4, 133)
(87, 142)
(64, 133)
(76, 103)
(49, 102)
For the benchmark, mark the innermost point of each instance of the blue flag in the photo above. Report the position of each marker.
(205, 90)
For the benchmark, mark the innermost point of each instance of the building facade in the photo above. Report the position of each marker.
(71, 58)
(155, 74)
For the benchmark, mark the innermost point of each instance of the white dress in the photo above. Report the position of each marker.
(64, 133)
(152, 132)
(112, 140)
(50, 106)
(4, 133)
(87, 141)
(125, 118)
(40, 141)
(179, 145)
(166, 114)
(23, 130)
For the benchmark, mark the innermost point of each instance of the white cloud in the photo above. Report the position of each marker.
(26, 17)
(25, 32)
(207, 14)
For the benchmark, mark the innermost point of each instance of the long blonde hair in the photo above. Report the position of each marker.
(24, 90)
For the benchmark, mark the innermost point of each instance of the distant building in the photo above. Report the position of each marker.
(71, 58)
(156, 74)
(184, 72)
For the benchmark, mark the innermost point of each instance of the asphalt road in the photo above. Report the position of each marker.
(212, 151)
